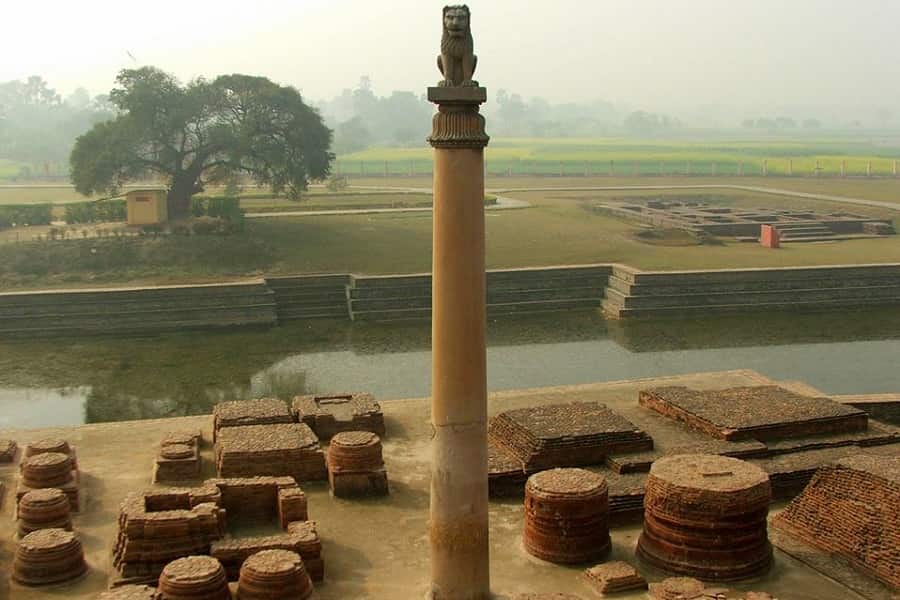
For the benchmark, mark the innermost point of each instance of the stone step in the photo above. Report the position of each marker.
(133, 296)
(794, 235)
(613, 309)
(632, 289)
(492, 310)
(151, 316)
(512, 286)
(802, 227)
(493, 298)
(138, 328)
(755, 297)
(762, 274)
(133, 306)
(308, 281)
(323, 295)
(314, 312)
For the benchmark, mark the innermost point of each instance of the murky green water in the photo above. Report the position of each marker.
(62, 382)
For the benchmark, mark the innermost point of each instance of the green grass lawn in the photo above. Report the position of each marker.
(63, 194)
(560, 228)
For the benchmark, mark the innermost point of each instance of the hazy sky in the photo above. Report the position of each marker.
(641, 52)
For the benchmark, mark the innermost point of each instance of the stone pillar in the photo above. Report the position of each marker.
(687, 167)
(843, 168)
(460, 565)
(790, 166)
(894, 168)
(869, 169)
(612, 168)
(741, 169)
(765, 168)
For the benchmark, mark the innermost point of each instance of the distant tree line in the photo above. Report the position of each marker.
(38, 125)
(361, 119)
(780, 123)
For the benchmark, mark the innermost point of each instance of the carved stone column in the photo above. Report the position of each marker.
(460, 564)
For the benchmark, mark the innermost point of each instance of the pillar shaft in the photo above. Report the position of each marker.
(460, 565)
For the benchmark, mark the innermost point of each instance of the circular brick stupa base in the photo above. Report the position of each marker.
(274, 574)
(48, 556)
(194, 578)
(48, 469)
(356, 465)
(705, 517)
(44, 509)
(47, 445)
(567, 516)
(131, 592)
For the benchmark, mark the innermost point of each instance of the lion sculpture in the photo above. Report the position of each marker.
(457, 61)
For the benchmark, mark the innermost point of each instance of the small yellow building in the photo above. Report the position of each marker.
(147, 206)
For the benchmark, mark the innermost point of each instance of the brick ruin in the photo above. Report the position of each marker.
(551, 596)
(333, 414)
(567, 516)
(9, 449)
(159, 526)
(688, 588)
(849, 509)
(131, 592)
(614, 578)
(48, 508)
(165, 524)
(48, 557)
(301, 537)
(284, 449)
(178, 458)
(753, 413)
(274, 574)
(565, 435)
(41, 470)
(705, 516)
(356, 465)
(194, 578)
(745, 223)
(240, 413)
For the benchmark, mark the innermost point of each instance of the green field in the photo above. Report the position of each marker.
(577, 156)
(561, 227)
(8, 168)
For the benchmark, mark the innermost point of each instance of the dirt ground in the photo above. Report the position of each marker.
(373, 548)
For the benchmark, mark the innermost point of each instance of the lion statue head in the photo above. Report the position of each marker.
(456, 21)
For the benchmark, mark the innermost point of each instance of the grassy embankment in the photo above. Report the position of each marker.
(560, 228)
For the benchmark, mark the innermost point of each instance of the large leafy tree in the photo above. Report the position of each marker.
(201, 133)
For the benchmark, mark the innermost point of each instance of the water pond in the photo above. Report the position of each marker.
(64, 382)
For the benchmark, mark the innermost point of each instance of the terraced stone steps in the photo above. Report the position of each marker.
(626, 288)
(310, 297)
(136, 310)
(508, 292)
(636, 293)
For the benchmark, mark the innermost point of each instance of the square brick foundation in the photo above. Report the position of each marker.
(757, 412)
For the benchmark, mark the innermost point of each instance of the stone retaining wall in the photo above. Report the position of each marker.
(620, 290)
(632, 292)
